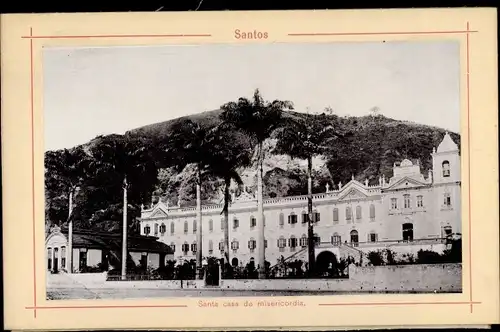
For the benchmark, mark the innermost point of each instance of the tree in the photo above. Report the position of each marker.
(189, 144)
(258, 118)
(305, 137)
(65, 171)
(230, 152)
(126, 163)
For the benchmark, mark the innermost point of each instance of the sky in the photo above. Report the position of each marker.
(104, 90)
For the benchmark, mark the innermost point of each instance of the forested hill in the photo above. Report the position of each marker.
(375, 143)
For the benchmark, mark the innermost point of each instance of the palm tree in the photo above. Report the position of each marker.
(230, 152)
(189, 144)
(305, 137)
(125, 161)
(258, 118)
(67, 169)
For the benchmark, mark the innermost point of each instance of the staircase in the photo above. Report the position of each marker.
(301, 254)
(358, 255)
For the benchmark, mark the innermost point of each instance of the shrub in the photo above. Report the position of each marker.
(390, 257)
(375, 258)
(428, 257)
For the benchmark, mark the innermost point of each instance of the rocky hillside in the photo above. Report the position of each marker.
(376, 143)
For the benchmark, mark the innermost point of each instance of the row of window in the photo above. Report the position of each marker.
(292, 219)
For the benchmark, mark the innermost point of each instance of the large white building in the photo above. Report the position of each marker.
(408, 210)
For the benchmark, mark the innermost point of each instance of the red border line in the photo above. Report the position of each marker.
(379, 33)
(33, 169)
(115, 36)
(32, 37)
(395, 303)
(109, 306)
(469, 159)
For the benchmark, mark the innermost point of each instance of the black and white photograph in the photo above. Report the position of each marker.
(252, 170)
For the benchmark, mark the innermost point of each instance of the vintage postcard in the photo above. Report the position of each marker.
(250, 170)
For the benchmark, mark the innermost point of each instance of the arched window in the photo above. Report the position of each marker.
(292, 243)
(186, 227)
(354, 238)
(222, 222)
(210, 225)
(348, 214)
(292, 218)
(172, 228)
(281, 220)
(446, 168)
(303, 241)
(221, 246)
(156, 229)
(194, 226)
(408, 232)
(447, 231)
(163, 229)
(147, 230)
(358, 212)
(372, 212)
(253, 222)
(210, 247)
(336, 239)
(49, 259)
(335, 215)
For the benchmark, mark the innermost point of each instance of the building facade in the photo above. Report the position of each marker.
(407, 209)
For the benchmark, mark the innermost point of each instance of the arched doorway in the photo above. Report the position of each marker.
(326, 264)
(354, 238)
(234, 262)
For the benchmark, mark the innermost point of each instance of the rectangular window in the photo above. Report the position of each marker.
(253, 222)
(194, 226)
(407, 202)
(447, 199)
(236, 223)
(335, 215)
(394, 203)
(292, 219)
(372, 237)
(194, 247)
(222, 224)
(63, 257)
(336, 240)
(420, 201)
(316, 217)
(304, 218)
(221, 246)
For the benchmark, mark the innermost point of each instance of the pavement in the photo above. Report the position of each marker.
(64, 287)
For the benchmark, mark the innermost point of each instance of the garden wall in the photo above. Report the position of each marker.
(398, 278)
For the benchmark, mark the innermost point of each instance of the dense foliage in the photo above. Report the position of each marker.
(157, 160)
